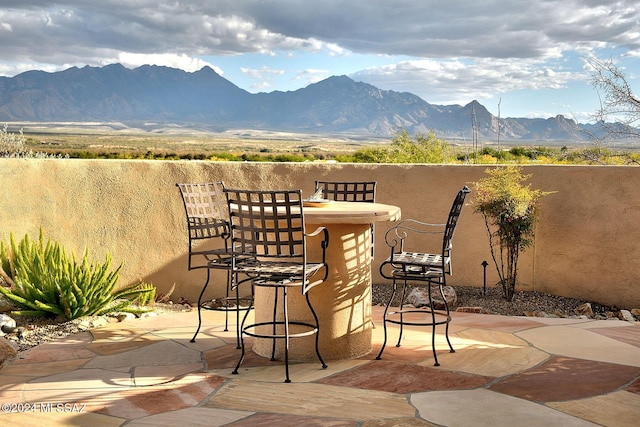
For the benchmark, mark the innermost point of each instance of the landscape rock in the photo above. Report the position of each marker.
(148, 314)
(584, 310)
(469, 309)
(7, 352)
(124, 316)
(7, 324)
(5, 304)
(419, 297)
(626, 315)
(538, 313)
(87, 323)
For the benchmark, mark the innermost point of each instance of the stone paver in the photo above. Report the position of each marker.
(486, 408)
(194, 417)
(557, 380)
(309, 399)
(505, 371)
(583, 343)
(618, 409)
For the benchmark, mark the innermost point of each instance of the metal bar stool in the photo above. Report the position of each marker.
(208, 225)
(405, 265)
(270, 243)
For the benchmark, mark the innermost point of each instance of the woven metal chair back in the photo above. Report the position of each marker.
(206, 209)
(269, 224)
(360, 191)
(454, 216)
(207, 218)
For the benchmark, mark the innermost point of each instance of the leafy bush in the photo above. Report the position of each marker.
(145, 295)
(44, 280)
(15, 145)
(404, 149)
(509, 209)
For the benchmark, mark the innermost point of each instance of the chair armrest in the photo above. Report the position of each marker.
(386, 269)
(324, 244)
(417, 226)
(317, 231)
(325, 240)
(396, 235)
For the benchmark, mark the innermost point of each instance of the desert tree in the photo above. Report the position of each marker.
(619, 111)
(510, 211)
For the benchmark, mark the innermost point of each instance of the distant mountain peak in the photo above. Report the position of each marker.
(337, 104)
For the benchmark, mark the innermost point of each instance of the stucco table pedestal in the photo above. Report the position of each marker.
(343, 301)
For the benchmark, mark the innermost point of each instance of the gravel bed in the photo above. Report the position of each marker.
(33, 331)
(525, 303)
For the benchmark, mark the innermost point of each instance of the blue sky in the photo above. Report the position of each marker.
(527, 57)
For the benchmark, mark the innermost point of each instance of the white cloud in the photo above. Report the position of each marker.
(44, 31)
(181, 61)
(460, 81)
(261, 73)
(455, 50)
(310, 75)
(264, 75)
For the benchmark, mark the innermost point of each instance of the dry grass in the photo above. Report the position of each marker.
(180, 140)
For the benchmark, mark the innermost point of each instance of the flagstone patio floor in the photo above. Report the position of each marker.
(506, 371)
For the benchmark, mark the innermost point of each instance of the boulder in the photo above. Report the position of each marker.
(5, 304)
(626, 315)
(7, 324)
(7, 352)
(584, 310)
(419, 297)
(477, 310)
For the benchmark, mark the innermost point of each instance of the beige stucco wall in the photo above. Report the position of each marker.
(586, 242)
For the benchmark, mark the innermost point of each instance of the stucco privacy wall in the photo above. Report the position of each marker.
(586, 242)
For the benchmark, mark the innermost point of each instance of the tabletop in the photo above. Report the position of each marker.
(351, 213)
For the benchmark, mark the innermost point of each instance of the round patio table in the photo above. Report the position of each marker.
(343, 301)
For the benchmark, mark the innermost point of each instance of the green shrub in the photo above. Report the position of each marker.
(15, 145)
(44, 280)
(144, 294)
(405, 149)
(509, 209)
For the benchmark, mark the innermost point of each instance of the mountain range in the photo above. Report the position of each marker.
(337, 104)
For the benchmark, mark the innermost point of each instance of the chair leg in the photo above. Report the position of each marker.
(241, 329)
(446, 305)
(384, 320)
(237, 311)
(373, 324)
(433, 327)
(400, 308)
(275, 320)
(286, 334)
(204, 288)
(242, 351)
(317, 322)
(226, 305)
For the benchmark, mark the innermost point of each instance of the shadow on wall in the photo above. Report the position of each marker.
(131, 209)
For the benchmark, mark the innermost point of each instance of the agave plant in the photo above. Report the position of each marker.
(44, 280)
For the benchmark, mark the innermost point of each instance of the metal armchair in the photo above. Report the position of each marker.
(269, 243)
(208, 230)
(355, 191)
(405, 265)
(350, 191)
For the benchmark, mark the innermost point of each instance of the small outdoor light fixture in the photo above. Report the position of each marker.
(484, 286)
